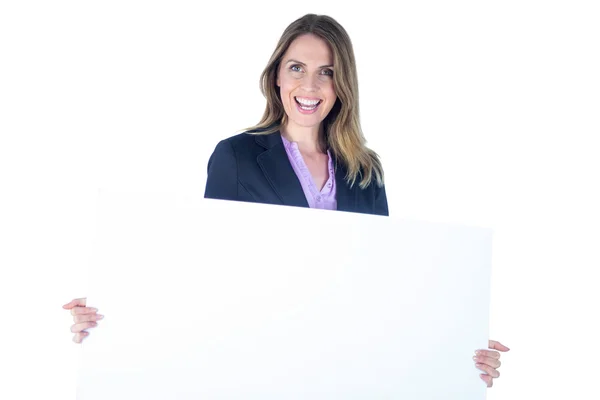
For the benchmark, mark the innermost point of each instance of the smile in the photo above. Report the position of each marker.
(307, 105)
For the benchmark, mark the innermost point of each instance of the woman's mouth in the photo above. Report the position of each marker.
(307, 105)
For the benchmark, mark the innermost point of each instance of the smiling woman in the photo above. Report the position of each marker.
(308, 150)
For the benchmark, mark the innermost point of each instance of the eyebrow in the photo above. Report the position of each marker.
(303, 64)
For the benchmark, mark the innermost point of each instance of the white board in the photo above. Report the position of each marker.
(228, 300)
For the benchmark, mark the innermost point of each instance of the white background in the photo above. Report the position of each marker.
(483, 114)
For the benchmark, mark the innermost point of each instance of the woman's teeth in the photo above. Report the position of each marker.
(307, 104)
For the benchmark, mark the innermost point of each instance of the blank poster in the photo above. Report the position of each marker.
(212, 299)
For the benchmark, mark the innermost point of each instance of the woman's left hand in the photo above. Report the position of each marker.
(489, 361)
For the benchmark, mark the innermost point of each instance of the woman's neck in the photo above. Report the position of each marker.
(308, 138)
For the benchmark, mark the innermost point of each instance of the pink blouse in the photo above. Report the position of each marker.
(324, 198)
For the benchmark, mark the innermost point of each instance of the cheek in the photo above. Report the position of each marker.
(287, 86)
(329, 92)
(284, 94)
(283, 88)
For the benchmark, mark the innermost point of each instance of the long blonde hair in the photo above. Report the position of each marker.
(342, 133)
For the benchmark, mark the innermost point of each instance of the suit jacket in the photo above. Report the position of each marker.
(256, 168)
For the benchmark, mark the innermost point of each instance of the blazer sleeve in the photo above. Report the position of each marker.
(221, 182)
(381, 204)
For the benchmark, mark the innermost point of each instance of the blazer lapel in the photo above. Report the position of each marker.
(346, 197)
(276, 166)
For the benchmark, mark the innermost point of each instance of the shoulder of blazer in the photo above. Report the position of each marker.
(246, 140)
(222, 168)
(240, 140)
(235, 145)
(233, 156)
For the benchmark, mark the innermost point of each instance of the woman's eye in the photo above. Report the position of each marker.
(296, 68)
(328, 72)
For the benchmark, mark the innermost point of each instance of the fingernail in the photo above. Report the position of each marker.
(474, 357)
(478, 365)
(94, 324)
(94, 309)
(478, 352)
(99, 316)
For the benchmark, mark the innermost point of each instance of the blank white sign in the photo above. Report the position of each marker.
(225, 300)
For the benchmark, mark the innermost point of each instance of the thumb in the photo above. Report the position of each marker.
(497, 346)
(74, 303)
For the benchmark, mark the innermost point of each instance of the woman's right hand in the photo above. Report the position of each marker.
(84, 317)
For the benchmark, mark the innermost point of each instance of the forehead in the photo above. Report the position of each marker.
(309, 48)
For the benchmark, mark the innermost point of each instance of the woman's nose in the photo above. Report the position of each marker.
(311, 82)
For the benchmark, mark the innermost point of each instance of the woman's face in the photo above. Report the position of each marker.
(305, 80)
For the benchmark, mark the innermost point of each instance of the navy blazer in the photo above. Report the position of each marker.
(256, 168)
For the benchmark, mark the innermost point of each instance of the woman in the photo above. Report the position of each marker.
(308, 150)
